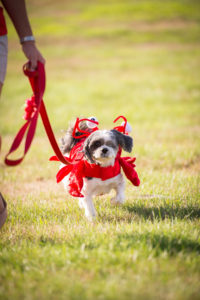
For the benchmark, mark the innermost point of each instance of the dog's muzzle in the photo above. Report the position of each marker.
(104, 152)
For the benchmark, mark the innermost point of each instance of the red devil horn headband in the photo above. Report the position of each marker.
(121, 128)
(86, 133)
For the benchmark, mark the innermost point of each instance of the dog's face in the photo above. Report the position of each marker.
(102, 146)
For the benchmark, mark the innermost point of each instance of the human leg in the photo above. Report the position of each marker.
(3, 66)
(3, 59)
(1, 85)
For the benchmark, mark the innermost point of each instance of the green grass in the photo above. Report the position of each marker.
(107, 58)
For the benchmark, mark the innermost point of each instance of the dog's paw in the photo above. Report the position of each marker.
(80, 203)
(90, 216)
(117, 200)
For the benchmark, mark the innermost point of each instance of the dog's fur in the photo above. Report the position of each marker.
(101, 147)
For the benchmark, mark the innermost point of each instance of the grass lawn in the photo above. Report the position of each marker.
(107, 58)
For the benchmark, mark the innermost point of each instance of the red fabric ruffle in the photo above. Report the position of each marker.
(81, 169)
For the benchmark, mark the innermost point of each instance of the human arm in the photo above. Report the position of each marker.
(16, 10)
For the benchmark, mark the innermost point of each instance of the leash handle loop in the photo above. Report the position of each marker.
(37, 81)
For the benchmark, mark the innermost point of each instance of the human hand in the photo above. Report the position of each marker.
(32, 53)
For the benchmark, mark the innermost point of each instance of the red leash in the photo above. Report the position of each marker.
(34, 106)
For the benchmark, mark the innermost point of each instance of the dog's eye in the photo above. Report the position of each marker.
(96, 144)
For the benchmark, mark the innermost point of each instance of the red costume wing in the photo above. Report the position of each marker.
(76, 153)
(54, 158)
(64, 171)
(129, 170)
(76, 180)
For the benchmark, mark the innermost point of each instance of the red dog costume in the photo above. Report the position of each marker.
(81, 168)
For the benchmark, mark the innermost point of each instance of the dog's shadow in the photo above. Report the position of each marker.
(158, 243)
(140, 211)
(163, 212)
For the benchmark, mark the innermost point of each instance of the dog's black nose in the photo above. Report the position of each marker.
(104, 150)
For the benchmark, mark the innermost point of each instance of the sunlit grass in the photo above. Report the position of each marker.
(107, 58)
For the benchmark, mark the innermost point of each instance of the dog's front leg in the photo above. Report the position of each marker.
(88, 205)
(80, 203)
(120, 187)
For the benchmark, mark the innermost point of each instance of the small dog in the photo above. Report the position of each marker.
(100, 164)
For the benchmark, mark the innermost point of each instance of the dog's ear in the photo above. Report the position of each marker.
(87, 152)
(125, 141)
(66, 143)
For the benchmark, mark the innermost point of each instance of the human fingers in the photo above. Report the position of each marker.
(33, 62)
(41, 58)
(33, 54)
(30, 52)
